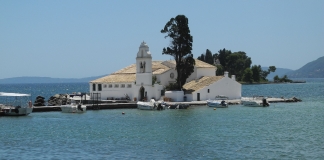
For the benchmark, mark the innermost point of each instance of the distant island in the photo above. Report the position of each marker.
(314, 69)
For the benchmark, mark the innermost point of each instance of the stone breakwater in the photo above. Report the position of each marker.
(56, 100)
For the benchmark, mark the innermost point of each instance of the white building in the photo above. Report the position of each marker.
(137, 79)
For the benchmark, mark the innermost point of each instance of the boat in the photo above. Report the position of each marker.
(217, 103)
(75, 106)
(259, 101)
(146, 105)
(176, 105)
(16, 104)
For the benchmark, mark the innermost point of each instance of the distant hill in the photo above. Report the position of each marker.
(279, 71)
(314, 69)
(46, 80)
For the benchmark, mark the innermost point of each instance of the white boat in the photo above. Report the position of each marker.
(255, 102)
(16, 104)
(75, 106)
(146, 105)
(221, 97)
(217, 103)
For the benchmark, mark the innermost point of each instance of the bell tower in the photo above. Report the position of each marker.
(144, 66)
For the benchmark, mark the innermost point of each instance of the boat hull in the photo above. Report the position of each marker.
(255, 104)
(217, 104)
(16, 112)
(73, 109)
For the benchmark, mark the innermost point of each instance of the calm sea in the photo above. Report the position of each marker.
(281, 131)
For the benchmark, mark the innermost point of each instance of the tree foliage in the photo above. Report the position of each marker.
(247, 75)
(180, 48)
(283, 79)
(237, 62)
(256, 71)
(265, 73)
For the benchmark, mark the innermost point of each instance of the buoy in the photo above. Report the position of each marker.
(214, 108)
(123, 112)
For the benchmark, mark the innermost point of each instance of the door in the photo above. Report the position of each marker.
(198, 96)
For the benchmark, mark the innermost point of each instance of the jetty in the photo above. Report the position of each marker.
(124, 104)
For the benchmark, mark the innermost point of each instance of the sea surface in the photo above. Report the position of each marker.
(281, 131)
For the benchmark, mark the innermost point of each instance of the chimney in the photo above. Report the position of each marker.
(233, 77)
(225, 74)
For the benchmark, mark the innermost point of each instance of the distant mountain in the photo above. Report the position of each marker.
(314, 69)
(279, 71)
(46, 80)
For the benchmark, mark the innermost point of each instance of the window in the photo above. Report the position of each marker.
(116, 85)
(129, 86)
(208, 91)
(105, 86)
(110, 85)
(93, 87)
(171, 75)
(99, 87)
(162, 92)
(123, 86)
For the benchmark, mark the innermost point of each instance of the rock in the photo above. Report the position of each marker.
(58, 99)
(40, 101)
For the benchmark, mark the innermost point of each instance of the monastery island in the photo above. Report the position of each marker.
(135, 81)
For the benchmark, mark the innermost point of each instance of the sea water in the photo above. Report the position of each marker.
(281, 131)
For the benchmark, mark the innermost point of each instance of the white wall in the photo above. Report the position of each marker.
(165, 78)
(176, 96)
(206, 72)
(144, 78)
(225, 86)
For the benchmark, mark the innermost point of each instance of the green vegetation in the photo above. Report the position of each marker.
(180, 48)
(283, 79)
(236, 63)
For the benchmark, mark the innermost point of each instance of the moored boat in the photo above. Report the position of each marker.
(75, 106)
(146, 105)
(17, 104)
(217, 103)
(255, 102)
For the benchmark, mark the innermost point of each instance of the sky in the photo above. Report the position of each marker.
(82, 38)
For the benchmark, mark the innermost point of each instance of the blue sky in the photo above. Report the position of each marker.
(77, 38)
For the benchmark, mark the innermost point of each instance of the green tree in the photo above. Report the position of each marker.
(256, 70)
(236, 63)
(222, 57)
(264, 74)
(209, 57)
(247, 75)
(285, 79)
(180, 48)
(276, 78)
(201, 57)
(220, 70)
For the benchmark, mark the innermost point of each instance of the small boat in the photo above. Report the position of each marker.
(176, 106)
(221, 97)
(17, 104)
(75, 106)
(255, 102)
(217, 103)
(146, 105)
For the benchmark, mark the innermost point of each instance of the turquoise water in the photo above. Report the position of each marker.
(281, 131)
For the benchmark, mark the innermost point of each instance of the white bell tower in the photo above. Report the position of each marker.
(144, 66)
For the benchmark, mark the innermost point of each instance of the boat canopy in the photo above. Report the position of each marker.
(5, 94)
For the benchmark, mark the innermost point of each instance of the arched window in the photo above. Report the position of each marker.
(144, 67)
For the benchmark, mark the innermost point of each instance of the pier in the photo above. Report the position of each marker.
(122, 104)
